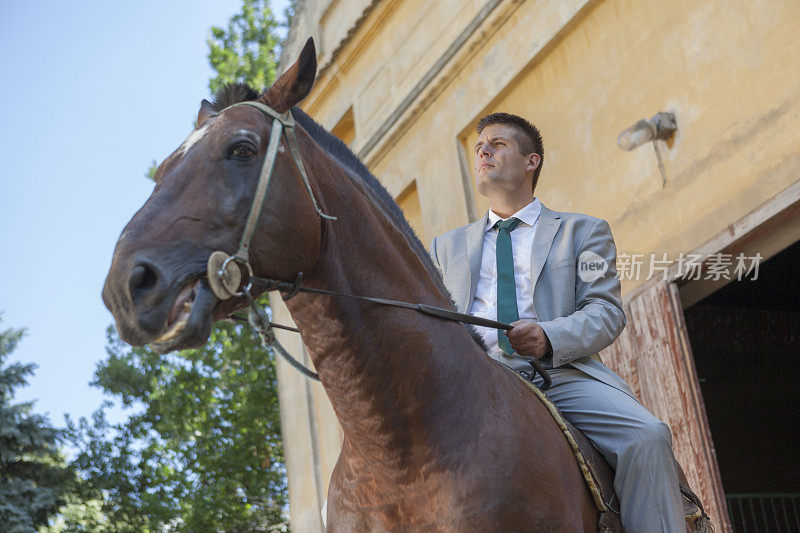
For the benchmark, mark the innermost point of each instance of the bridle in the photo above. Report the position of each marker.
(225, 278)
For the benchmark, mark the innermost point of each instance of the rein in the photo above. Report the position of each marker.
(225, 278)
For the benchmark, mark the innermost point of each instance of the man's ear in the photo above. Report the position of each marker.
(295, 83)
(533, 161)
(206, 112)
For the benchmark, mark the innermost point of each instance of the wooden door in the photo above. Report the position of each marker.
(654, 356)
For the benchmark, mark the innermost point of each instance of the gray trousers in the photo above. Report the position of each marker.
(636, 444)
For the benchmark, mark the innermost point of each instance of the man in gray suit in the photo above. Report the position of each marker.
(553, 277)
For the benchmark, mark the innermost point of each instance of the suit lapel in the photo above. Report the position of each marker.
(474, 243)
(546, 229)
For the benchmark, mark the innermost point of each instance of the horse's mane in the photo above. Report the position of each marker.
(337, 149)
(233, 93)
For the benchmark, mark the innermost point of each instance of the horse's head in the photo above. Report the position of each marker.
(157, 288)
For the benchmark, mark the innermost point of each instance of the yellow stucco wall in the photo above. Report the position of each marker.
(583, 72)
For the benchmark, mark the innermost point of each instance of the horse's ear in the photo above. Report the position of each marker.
(206, 112)
(295, 83)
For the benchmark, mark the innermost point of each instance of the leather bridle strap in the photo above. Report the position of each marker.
(223, 276)
(439, 312)
(283, 123)
(261, 191)
(293, 288)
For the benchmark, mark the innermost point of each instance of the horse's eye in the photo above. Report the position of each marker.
(242, 151)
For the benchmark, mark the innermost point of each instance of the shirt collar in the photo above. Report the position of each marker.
(527, 214)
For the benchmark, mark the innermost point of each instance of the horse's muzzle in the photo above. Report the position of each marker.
(159, 301)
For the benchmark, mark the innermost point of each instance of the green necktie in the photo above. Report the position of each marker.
(507, 311)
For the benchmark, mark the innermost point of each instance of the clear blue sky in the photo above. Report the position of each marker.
(91, 92)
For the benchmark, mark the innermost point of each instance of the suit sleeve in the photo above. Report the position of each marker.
(598, 318)
(435, 256)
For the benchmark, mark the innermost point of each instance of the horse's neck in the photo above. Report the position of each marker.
(389, 372)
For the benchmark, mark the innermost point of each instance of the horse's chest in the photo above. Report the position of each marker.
(435, 504)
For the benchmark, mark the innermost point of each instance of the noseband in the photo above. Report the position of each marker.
(224, 277)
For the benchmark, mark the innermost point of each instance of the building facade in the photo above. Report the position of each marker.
(403, 83)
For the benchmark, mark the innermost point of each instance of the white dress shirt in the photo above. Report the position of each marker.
(485, 302)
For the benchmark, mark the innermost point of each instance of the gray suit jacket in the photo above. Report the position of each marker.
(579, 316)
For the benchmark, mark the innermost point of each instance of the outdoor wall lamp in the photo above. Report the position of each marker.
(660, 126)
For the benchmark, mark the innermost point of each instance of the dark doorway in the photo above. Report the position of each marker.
(746, 343)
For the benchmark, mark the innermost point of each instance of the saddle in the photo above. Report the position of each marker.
(599, 476)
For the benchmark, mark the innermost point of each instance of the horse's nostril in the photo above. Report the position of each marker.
(142, 279)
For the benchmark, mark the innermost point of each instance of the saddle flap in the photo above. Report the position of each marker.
(603, 476)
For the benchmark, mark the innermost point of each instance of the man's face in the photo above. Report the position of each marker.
(499, 165)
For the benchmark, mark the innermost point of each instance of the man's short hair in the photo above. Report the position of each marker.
(529, 138)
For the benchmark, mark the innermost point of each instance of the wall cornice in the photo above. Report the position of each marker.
(490, 19)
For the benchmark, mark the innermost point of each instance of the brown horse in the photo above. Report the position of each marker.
(437, 436)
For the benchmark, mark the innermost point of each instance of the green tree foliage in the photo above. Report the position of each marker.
(203, 450)
(247, 50)
(33, 479)
(80, 514)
